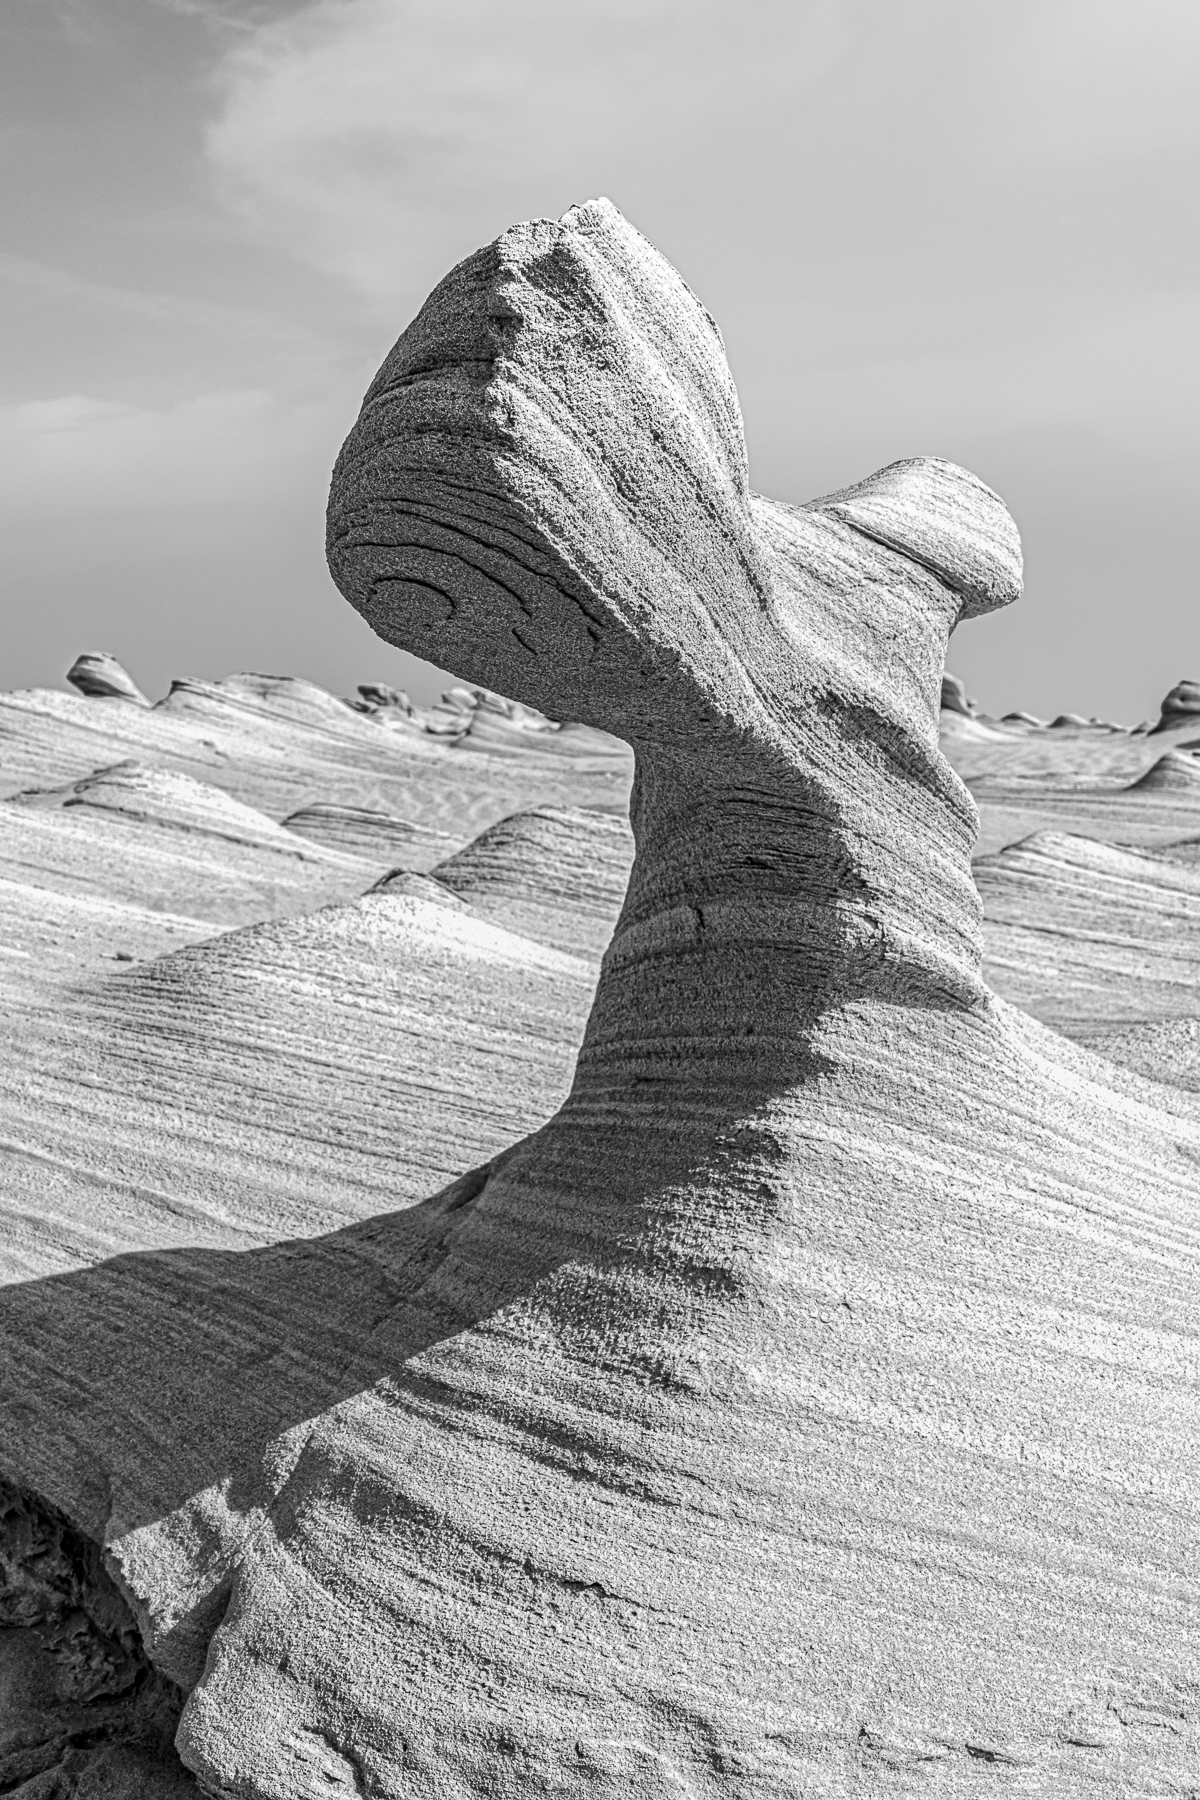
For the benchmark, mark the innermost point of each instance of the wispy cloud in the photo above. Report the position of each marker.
(929, 227)
(376, 137)
(76, 454)
(184, 310)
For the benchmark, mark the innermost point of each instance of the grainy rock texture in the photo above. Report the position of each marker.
(290, 1080)
(555, 875)
(82, 1712)
(808, 1406)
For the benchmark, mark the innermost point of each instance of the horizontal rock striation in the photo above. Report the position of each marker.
(1178, 770)
(557, 875)
(1091, 937)
(807, 1404)
(743, 1436)
(377, 837)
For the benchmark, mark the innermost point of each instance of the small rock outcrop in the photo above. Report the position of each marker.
(100, 676)
(1180, 707)
(137, 790)
(954, 697)
(378, 697)
(376, 836)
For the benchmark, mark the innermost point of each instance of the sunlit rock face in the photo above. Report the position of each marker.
(805, 1401)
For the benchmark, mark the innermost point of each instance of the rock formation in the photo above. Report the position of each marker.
(809, 1405)
(1181, 706)
(1090, 937)
(376, 696)
(556, 875)
(736, 1325)
(100, 676)
(379, 836)
(1178, 770)
(954, 697)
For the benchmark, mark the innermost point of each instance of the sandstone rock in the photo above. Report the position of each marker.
(671, 1322)
(1178, 770)
(140, 792)
(1069, 721)
(1093, 938)
(954, 697)
(1181, 706)
(1163, 1050)
(377, 695)
(377, 837)
(132, 860)
(810, 1402)
(100, 677)
(557, 875)
(279, 745)
(1130, 812)
(477, 713)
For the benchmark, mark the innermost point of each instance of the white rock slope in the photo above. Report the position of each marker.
(809, 1405)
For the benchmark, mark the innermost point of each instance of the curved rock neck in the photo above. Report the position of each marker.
(763, 899)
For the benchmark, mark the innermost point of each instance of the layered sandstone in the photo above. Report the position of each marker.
(807, 1403)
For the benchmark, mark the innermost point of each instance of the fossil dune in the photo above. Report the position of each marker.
(807, 1402)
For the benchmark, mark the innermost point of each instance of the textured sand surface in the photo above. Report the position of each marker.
(796, 1395)
(171, 1082)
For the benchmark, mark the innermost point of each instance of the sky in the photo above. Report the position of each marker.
(962, 228)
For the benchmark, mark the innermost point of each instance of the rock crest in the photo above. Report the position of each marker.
(1181, 706)
(100, 676)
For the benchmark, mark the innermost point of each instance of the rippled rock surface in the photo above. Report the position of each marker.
(793, 1391)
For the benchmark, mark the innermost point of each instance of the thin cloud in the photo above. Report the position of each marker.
(376, 138)
(76, 454)
(31, 276)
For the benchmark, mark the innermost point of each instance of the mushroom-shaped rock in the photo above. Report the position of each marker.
(100, 676)
(813, 1398)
